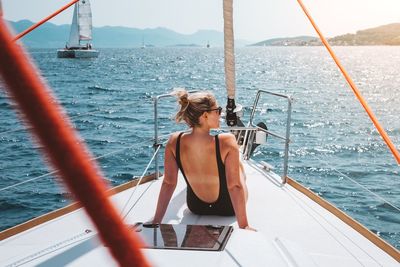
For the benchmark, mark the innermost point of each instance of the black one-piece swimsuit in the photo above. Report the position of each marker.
(223, 205)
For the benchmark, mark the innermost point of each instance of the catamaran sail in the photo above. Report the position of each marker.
(85, 20)
(74, 33)
(81, 30)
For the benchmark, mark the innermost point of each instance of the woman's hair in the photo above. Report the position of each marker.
(192, 106)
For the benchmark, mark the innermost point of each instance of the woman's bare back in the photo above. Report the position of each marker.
(199, 162)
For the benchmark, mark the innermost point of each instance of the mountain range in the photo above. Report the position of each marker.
(50, 35)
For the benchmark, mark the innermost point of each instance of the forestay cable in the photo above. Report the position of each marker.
(353, 86)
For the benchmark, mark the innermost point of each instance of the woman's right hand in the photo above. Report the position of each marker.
(250, 228)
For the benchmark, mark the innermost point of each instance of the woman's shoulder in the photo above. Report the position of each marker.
(227, 137)
(227, 140)
(173, 139)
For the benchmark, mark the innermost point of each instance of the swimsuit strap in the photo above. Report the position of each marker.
(217, 151)
(221, 169)
(178, 148)
(178, 156)
(178, 151)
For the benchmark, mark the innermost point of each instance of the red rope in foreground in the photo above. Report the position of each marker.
(353, 86)
(34, 26)
(64, 150)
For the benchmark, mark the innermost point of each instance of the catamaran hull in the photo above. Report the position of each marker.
(77, 53)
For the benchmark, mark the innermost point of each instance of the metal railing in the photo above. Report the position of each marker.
(286, 138)
(156, 145)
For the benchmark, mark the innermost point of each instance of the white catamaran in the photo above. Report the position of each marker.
(295, 226)
(79, 45)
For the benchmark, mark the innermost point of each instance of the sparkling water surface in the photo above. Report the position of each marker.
(109, 102)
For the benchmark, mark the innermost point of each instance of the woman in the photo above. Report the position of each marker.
(210, 165)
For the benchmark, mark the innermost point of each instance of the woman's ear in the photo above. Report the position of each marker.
(203, 118)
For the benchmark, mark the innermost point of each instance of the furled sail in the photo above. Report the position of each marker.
(84, 20)
(229, 50)
(231, 116)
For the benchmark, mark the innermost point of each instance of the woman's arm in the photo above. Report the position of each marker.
(236, 184)
(169, 182)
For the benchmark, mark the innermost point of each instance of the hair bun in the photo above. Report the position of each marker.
(183, 97)
(192, 106)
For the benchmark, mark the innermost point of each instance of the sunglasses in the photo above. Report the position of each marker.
(218, 108)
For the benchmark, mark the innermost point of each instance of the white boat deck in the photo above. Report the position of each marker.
(293, 230)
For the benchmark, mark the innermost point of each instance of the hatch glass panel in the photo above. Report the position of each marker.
(184, 237)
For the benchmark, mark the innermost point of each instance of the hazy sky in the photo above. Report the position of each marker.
(254, 19)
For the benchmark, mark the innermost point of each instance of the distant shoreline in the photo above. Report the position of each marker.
(386, 35)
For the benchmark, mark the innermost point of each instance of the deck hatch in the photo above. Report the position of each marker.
(184, 237)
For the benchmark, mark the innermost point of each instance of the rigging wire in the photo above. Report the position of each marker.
(29, 180)
(30, 127)
(138, 183)
(357, 183)
(44, 20)
(318, 220)
(55, 171)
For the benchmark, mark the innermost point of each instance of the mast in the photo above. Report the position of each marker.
(231, 117)
(77, 22)
(143, 45)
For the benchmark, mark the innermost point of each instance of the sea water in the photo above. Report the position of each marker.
(335, 150)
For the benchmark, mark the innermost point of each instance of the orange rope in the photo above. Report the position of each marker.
(380, 129)
(65, 151)
(31, 28)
